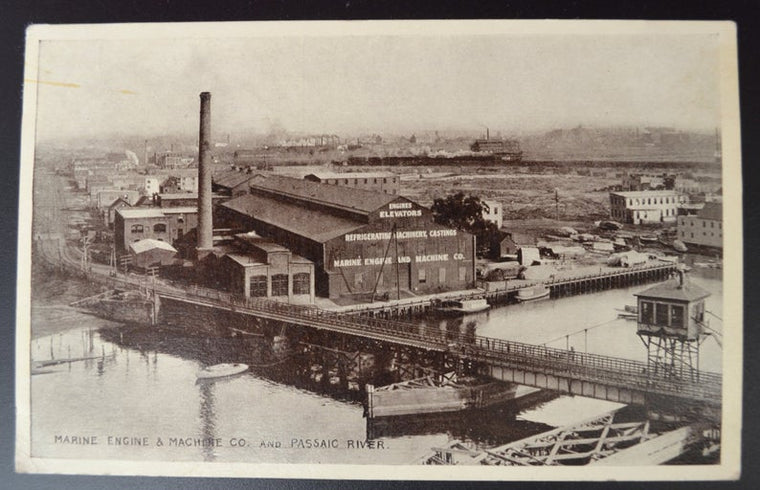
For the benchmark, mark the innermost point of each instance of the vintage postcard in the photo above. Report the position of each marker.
(382, 250)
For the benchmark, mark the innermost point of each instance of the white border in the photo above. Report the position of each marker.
(732, 310)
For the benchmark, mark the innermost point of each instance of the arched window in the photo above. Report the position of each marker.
(137, 228)
(159, 228)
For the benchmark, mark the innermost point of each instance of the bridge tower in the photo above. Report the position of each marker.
(671, 324)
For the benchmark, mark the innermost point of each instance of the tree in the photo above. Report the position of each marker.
(466, 213)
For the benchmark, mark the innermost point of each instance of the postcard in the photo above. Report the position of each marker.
(440, 250)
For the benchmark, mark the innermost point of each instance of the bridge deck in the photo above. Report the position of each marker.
(602, 370)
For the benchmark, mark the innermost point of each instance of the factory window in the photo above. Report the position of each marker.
(359, 280)
(375, 181)
(280, 285)
(356, 181)
(421, 276)
(366, 181)
(646, 312)
(441, 275)
(712, 224)
(180, 220)
(159, 228)
(137, 228)
(258, 286)
(661, 314)
(301, 283)
(676, 316)
(385, 180)
(463, 273)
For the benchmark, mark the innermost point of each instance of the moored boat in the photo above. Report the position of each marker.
(629, 312)
(533, 293)
(222, 370)
(461, 307)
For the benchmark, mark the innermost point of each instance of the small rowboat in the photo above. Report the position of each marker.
(533, 293)
(461, 307)
(222, 370)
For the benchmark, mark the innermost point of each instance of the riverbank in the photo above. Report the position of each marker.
(52, 292)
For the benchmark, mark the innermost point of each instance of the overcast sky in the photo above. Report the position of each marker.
(385, 84)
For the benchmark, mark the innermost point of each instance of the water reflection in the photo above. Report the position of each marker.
(208, 429)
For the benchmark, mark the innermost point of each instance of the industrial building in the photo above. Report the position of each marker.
(639, 207)
(164, 224)
(361, 242)
(387, 182)
(260, 268)
(705, 229)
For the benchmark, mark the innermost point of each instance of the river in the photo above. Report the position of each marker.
(141, 401)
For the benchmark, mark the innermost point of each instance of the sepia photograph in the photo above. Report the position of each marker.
(459, 250)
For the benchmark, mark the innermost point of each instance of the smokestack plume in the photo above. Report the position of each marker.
(205, 226)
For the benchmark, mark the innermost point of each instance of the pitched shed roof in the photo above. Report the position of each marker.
(150, 244)
(314, 224)
(671, 290)
(363, 201)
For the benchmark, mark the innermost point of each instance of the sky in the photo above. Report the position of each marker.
(388, 84)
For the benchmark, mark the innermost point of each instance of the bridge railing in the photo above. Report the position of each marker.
(592, 367)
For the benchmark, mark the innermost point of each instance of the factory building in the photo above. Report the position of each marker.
(387, 182)
(705, 229)
(164, 224)
(361, 242)
(260, 268)
(639, 207)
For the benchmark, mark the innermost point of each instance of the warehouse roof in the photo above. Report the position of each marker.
(360, 200)
(314, 225)
(231, 178)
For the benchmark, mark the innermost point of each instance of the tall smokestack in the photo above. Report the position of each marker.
(205, 226)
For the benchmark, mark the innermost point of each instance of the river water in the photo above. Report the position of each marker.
(140, 399)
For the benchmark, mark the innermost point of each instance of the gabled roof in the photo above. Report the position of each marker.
(313, 224)
(671, 290)
(358, 200)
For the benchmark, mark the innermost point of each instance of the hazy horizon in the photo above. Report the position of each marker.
(378, 84)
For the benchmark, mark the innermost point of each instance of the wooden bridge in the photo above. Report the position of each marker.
(569, 372)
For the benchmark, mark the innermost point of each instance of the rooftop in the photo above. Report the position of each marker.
(136, 213)
(315, 225)
(351, 175)
(672, 290)
(150, 244)
(360, 200)
(231, 178)
(645, 193)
